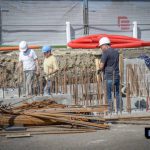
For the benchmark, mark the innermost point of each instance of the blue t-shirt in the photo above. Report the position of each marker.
(110, 58)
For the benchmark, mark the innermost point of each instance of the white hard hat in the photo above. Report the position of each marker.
(23, 46)
(104, 40)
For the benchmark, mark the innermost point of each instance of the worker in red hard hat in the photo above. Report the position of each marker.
(109, 64)
(29, 62)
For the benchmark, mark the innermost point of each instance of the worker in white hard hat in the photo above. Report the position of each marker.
(109, 64)
(28, 61)
(50, 68)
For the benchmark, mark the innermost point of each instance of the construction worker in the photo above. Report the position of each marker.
(28, 61)
(109, 64)
(50, 67)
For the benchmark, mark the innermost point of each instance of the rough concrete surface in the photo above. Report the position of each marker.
(119, 137)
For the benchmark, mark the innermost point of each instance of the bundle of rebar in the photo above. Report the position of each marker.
(48, 112)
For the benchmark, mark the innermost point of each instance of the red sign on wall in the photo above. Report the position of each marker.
(124, 23)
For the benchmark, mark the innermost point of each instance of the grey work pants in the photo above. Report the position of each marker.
(49, 87)
(28, 78)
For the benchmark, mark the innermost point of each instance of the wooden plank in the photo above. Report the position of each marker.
(18, 135)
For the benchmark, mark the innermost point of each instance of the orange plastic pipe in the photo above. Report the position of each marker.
(83, 45)
(127, 45)
(14, 48)
(117, 41)
(145, 43)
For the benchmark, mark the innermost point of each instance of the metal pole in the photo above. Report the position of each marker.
(135, 29)
(85, 17)
(68, 32)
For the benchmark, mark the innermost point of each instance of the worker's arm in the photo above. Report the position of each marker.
(55, 65)
(34, 56)
(55, 70)
(102, 62)
(101, 66)
(19, 66)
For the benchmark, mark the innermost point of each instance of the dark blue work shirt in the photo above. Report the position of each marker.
(110, 58)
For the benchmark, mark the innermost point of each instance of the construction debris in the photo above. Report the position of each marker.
(48, 117)
(88, 98)
(48, 112)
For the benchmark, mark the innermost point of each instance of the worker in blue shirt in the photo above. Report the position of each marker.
(109, 64)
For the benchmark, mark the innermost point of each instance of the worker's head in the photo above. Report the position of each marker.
(23, 46)
(47, 50)
(104, 43)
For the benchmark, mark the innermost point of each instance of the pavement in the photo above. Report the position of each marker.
(119, 137)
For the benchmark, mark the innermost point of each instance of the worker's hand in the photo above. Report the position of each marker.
(98, 71)
(37, 73)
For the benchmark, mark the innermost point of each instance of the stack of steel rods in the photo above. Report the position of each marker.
(43, 113)
(80, 83)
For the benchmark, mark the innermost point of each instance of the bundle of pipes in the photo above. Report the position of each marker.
(117, 41)
(46, 114)
(14, 48)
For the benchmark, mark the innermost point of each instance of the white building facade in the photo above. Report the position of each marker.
(44, 21)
